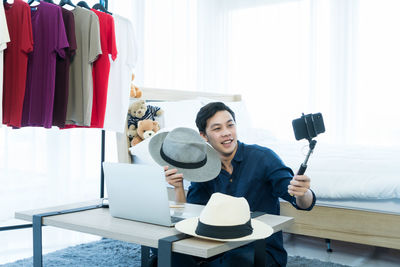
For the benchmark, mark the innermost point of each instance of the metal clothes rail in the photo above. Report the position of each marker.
(103, 140)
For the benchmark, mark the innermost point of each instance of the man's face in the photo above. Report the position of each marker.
(220, 133)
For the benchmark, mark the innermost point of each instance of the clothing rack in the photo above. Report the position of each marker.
(103, 140)
(103, 136)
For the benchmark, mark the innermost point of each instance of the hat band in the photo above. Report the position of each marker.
(191, 165)
(224, 232)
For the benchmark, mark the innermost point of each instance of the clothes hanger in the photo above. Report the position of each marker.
(31, 1)
(66, 2)
(101, 8)
(83, 4)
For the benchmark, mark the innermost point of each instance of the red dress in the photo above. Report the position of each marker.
(101, 68)
(19, 24)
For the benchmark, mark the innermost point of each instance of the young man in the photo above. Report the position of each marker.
(249, 171)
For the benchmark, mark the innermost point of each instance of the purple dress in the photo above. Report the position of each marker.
(49, 39)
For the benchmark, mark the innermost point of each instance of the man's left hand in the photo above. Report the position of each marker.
(299, 185)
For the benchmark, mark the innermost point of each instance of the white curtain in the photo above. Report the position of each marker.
(338, 57)
(377, 80)
(41, 167)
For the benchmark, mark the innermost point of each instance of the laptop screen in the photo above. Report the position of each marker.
(137, 192)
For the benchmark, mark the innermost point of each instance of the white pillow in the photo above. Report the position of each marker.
(178, 113)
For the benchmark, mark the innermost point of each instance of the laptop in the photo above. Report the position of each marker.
(139, 192)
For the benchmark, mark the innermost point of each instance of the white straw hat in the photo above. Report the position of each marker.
(184, 149)
(225, 218)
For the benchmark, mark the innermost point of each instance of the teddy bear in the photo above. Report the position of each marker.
(145, 129)
(135, 91)
(138, 111)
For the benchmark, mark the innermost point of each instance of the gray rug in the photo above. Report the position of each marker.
(108, 252)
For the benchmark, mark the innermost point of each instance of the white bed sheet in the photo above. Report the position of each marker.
(345, 172)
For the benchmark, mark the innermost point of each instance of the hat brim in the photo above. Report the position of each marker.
(203, 174)
(260, 230)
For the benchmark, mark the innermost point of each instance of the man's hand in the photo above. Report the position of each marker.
(173, 178)
(300, 188)
(299, 185)
(176, 180)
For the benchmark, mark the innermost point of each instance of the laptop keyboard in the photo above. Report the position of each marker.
(176, 219)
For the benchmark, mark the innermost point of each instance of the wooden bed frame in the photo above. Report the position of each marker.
(350, 225)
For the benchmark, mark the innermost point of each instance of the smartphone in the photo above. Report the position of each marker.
(308, 126)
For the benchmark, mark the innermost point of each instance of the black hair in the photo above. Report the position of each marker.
(208, 111)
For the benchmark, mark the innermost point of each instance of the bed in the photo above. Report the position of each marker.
(358, 213)
(358, 191)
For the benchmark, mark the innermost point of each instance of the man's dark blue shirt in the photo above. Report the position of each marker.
(260, 176)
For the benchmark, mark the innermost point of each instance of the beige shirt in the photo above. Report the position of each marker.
(80, 95)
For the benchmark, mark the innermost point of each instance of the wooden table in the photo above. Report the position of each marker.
(98, 221)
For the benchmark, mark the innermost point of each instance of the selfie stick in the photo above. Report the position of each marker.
(303, 166)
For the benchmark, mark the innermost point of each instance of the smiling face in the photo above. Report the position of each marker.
(220, 133)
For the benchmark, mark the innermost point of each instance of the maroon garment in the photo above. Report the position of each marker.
(62, 71)
(16, 61)
(49, 39)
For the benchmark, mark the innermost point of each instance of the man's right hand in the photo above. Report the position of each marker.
(176, 180)
(173, 178)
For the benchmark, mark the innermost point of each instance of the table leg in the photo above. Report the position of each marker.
(165, 249)
(37, 230)
(145, 255)
(37, 240)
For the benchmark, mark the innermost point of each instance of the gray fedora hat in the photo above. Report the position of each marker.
(184, 149)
